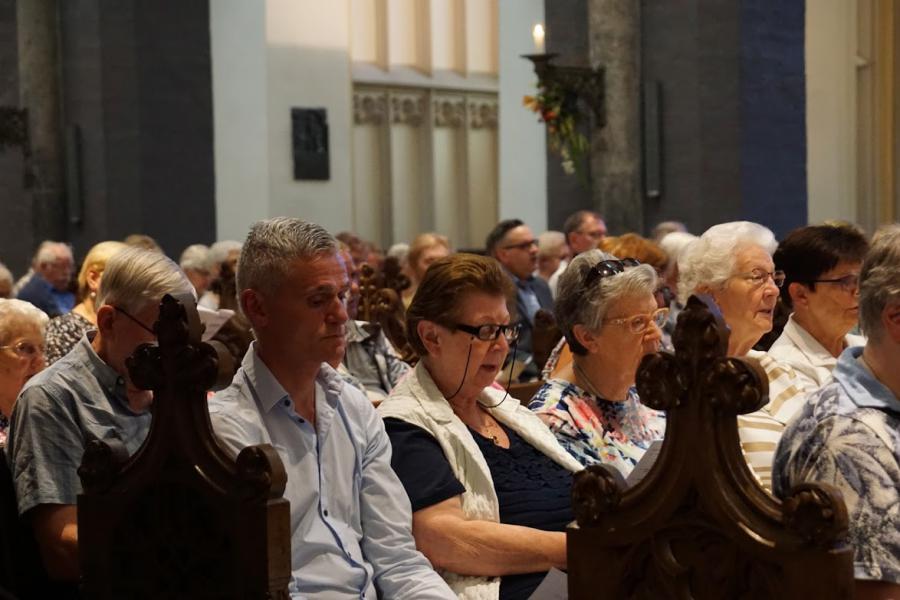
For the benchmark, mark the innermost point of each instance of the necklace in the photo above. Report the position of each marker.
(591, 388)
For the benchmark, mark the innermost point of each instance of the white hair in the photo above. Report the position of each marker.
(550, 242)
(49, 252)
(674, 244)
(879, 280)
(710, 260)
(218, 252)
(578, 304)
(195, 257)
(15, 315)
(273, 245)
(135, 277)
(398, 251)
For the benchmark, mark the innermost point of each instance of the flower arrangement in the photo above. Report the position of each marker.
(559, 111)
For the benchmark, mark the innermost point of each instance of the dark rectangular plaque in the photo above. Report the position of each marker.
(309, 138)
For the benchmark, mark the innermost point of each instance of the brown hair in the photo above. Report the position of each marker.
(631, 245)
(446, 283)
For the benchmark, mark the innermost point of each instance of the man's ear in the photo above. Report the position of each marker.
(430, 335)
(890, 320)
(254, 306)
(106, 316)
(799, 294)
(585, 337)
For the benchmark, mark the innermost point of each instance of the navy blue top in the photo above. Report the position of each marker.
(532, 490)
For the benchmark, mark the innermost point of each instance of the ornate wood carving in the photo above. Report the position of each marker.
(449, 111)
(698, 525)
(380, 303)
(182, 518)
(483, 113)
(370, 107)
(13, 127)
(407, 108)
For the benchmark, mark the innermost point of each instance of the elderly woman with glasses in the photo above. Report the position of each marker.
(732, 262)
(488, 483)
(608, 313)
(21, 353)
(821, 265)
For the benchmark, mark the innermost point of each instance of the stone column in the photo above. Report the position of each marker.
(614, 44)
(39, 93)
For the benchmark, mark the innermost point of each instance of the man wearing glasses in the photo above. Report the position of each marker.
(514, 246)
(584, 230)
(87, 394)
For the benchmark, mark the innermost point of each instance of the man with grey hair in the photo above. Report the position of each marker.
(351, 522)
(847, 433)
(48, 287)
(88, 394)
(195, 263)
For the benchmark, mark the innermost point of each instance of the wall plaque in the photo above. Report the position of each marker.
(309, 138)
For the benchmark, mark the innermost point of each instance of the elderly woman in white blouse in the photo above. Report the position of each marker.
(732, 262)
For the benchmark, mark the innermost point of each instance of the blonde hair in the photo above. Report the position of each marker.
(96, 260)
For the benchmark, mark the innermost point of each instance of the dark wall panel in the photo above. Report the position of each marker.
(773, 149)
(137, 82)
(566, 23)
(733, 110)
(16, 238)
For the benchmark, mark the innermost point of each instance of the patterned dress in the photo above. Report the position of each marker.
(848, 434)
(63, 332)
(595, 430)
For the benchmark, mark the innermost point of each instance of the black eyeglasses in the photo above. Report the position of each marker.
(135, 319)
(608, 268)
(490, 331)
(849, 283)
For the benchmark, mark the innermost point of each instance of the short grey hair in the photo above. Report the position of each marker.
(136, 277)
(272, 245)
(218, 252)
(195, 257)
(879, 280)
(710, 260)
(550, 242)
(49, 252)
(577, 304)
(17, 314)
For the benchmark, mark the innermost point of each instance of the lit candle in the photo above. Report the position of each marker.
(538, 34)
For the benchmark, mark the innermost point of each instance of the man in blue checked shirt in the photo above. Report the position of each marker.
(351, 533)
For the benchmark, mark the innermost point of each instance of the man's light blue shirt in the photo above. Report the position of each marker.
(351, 522)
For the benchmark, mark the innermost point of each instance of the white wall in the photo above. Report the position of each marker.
(240, 115)
(309, 66)
(523, 156)
(831, 109)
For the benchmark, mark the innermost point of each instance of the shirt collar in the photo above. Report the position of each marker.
(863, 388)
(270, 392)
(816, 353)
(359, 331)
(108, 377)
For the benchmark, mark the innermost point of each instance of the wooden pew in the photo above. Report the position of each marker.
(699, 525)
(181, 518)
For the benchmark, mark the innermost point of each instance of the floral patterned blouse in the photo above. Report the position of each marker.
(63, 332)
(595, 430)
(4, 428)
